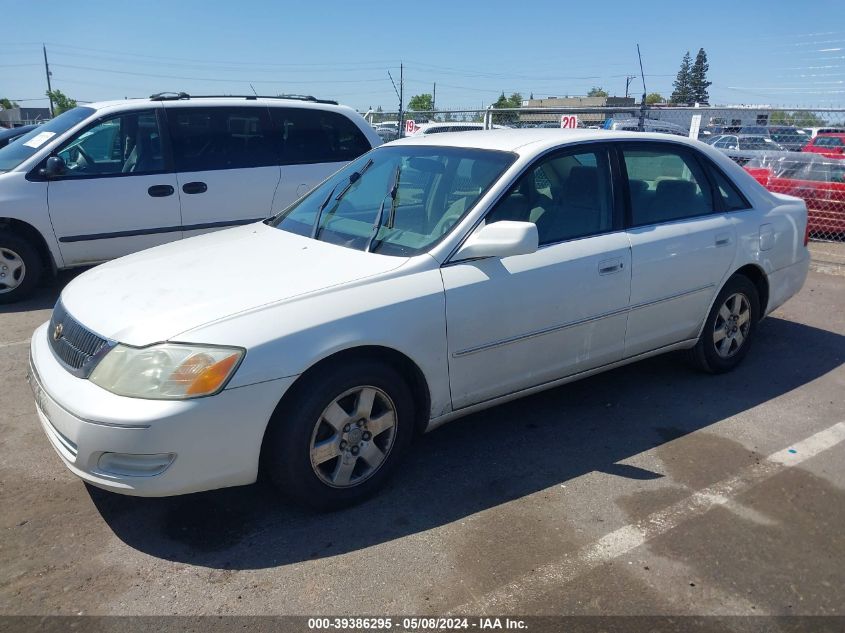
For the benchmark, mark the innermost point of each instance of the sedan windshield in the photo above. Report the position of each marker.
(396, 200)
(15, 153)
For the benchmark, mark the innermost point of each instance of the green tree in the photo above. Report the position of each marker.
(507, 118)
(597, 91)
(421, 103)
(698, 78)
(682, 92)
(61, 102)
(798, 118)
(7, 104)
(654, 97)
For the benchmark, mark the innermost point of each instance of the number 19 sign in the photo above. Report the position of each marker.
(568, 121)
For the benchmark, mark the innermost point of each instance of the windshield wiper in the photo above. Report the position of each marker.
(353, 178)
(391, 193)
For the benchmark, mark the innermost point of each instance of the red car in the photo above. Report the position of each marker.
(818, 180)
(830, 145)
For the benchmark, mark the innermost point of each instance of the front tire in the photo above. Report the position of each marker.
(336, 440)
(20, 267)
(729, 328)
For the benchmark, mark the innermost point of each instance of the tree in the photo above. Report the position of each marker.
(698, 79)
(682, 91)
(7, 104)
(654, 97)
(421, 103)
(61, 102)
(597, 91)
(506, 118)
(798, 118)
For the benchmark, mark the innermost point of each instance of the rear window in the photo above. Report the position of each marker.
(317, 136)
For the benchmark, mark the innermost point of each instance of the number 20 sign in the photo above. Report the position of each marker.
(568, 121)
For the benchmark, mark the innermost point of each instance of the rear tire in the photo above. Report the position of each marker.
(335, 441)
(20, 267)
(729, 328)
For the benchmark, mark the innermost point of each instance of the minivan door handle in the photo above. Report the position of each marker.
(160, 191)
(610, 266)
(723, 239)
(195, 187)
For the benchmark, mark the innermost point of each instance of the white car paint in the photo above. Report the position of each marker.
(480, 331)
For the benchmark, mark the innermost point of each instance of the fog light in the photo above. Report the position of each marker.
(135, 465)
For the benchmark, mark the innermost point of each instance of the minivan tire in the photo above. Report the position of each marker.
(300, 425)
(21, 264)
(734, 315)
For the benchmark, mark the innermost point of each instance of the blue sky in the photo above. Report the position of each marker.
(788, 54)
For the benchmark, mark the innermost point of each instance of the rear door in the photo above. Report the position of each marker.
(312, 144)
(118, 194)
(227, 164)
(682, 243)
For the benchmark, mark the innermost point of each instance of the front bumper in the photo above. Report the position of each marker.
(194, 445)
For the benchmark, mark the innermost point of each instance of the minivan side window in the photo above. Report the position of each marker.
(126, 144)
(213, 138)
(666, 183)
(317, 136)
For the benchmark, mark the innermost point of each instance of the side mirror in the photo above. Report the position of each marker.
(500, 239)
(55, 167)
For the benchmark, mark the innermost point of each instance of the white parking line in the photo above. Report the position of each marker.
(15, 343)
(629, 537)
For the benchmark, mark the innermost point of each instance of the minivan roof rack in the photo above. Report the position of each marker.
(176, 96)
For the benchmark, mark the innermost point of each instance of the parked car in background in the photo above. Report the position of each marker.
(818, 180)
(424, 129)
(431, 278)
(743, 147)
(107, 179)
(827, 144)
(815, 131)
(789, 137)
(387, 133)
(9, 135)
(649, 125)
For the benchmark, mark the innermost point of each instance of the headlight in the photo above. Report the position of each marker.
(170, 371)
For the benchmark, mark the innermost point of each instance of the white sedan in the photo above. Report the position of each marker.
(428, 279)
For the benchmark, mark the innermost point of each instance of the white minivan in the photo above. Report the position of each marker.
(107, 179)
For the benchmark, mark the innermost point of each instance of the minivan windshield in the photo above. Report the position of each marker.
(396, 200)
(17, 152)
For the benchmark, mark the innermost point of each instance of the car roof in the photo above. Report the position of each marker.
(531, 140)
(215, 101)
(834, 134)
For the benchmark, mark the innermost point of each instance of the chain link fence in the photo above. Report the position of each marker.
(796, 151)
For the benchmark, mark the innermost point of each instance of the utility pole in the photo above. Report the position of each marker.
(434, 96)
(49, 87)
(401, 97)
(628, 81)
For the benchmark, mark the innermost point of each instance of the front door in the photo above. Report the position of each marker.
(227, 165)
(117, 195)
(525, 320)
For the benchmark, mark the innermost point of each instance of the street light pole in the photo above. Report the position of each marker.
(49, 87)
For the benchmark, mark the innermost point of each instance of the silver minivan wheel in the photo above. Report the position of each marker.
(12, 270)
(353, 437)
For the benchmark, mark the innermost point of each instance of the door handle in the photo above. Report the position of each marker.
(195, 187)
(610, 266)
(160, 191)
(723, 240)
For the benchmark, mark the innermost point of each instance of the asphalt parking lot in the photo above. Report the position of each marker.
(651, 489)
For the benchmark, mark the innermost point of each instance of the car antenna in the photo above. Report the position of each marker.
(641, 125)
(253, 90)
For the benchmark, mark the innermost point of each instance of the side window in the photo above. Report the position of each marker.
(221, 138)
(568, 196)
(666, 184)
(732, 199)
(126, 144)
(317, 136)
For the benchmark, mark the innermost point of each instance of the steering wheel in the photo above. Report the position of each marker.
(88, 160)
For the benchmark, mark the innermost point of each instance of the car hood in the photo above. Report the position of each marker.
(157, 294)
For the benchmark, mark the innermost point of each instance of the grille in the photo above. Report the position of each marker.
(75, 346)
